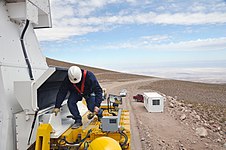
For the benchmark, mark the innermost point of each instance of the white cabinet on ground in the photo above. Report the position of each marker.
(153, 102)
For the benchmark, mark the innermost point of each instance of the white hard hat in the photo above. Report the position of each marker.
(74, 74)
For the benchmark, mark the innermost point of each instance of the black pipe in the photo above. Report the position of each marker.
(78, 142)
(32, 127)
(126, 139)
(24, 49)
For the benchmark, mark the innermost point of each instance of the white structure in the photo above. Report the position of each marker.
(153, 102)
(28, 87)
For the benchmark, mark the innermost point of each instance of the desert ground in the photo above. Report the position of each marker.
(194, 116)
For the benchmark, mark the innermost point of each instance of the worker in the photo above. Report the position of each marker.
(81, 84)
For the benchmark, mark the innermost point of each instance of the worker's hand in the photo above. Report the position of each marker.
(56, 110)
(96, 109)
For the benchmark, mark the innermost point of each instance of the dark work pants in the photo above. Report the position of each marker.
(72, 105)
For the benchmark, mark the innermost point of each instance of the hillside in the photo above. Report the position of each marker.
(101, 74)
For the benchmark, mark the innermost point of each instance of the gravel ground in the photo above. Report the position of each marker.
(151, 131)
(191, 91)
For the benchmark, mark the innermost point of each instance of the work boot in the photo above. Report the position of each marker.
(76, 125)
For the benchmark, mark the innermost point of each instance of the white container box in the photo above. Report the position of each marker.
(153, 102)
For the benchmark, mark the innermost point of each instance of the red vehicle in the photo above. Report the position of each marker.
(139, 98)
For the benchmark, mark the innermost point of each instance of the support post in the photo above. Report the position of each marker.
(43, 137)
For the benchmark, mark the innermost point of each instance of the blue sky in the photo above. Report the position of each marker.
(138, 36)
